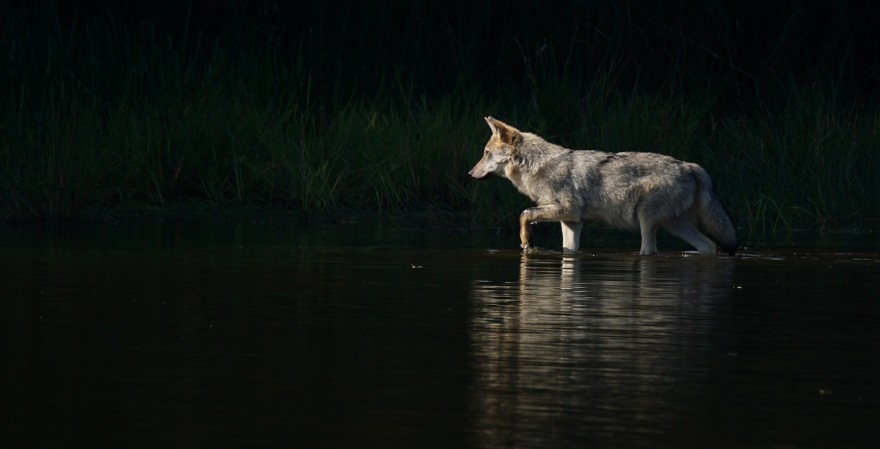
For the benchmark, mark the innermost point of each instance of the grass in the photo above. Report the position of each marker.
(88, 125)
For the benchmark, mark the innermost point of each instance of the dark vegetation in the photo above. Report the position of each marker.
(378, 106)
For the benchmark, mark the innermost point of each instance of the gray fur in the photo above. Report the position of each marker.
(629, 190)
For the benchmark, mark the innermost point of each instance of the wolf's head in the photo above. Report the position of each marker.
(499, 151)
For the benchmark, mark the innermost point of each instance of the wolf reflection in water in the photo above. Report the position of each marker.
(584, 347)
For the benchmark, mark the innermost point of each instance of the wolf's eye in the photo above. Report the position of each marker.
(486, 153)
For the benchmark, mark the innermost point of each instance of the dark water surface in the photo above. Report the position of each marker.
(254, 335)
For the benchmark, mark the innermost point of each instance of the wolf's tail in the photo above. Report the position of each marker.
(712, 213)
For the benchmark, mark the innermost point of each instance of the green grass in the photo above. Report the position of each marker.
(88, 125)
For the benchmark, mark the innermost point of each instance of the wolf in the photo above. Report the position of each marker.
(628, 190)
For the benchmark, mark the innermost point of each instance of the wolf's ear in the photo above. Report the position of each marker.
(489, 120)
(505, 132)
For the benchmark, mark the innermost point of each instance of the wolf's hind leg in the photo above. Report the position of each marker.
(571, 236)
(684, 229)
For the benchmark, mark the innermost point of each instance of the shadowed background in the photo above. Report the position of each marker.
(378, 106)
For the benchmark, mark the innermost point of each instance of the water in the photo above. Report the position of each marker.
(262, 335)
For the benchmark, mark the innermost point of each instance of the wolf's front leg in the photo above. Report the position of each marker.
(571, 236)
(524, 230)
(551, 212)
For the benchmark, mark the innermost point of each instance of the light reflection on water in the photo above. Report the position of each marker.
(262, 335)
(766, 349)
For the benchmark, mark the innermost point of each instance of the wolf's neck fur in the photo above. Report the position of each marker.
(530, 156)
(534, 151)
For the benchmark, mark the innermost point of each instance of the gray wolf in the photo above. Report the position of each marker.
(629, 190)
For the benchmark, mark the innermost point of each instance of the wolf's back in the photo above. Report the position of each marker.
(712, 213)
